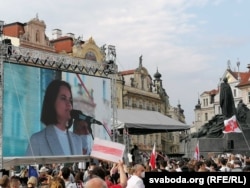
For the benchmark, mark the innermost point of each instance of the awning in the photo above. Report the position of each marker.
(146, 122)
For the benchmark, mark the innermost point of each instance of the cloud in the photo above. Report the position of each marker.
(189, 41)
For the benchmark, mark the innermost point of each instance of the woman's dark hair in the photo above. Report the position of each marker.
(99, 171)
(48, 115)
(79, 177)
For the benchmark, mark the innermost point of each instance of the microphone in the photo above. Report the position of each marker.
(78, 115)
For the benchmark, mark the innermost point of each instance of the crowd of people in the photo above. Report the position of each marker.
(103, 174)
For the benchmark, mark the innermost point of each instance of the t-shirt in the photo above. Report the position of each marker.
(64, 140)
(69, 184)
(135, 181)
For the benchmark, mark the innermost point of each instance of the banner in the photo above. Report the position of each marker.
(107, 150)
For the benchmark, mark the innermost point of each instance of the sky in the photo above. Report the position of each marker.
(188, 41)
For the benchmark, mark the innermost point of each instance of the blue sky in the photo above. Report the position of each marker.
(189, 41)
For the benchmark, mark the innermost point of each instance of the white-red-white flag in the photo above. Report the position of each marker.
(231, 125)
(197, 151)
(107, 150)
(152, 161)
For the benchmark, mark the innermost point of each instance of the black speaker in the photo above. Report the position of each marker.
(230, 144)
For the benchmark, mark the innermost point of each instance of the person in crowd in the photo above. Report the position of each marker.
(5, 181)
(100, 172)
(200, 166)
(114, 173)
(163, 165)
(96, 183)
(79, 179)
(15, 182)
(180, 164)
(108, 178)
(246, 168)
(65, 175)
(136, 157)
(56, 182)
(213, 167)
(55, 169)
(24, 176)
(32, 182)
(237, 166)
(136, 180)
(55, 138)
(43, 177)
(223, 165)
(88, 171)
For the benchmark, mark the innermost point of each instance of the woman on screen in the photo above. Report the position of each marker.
(55, 138)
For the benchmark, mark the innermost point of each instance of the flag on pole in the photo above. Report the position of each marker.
(231, 125)
(197, 151)
(152, 161)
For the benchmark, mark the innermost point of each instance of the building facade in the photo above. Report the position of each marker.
(137, 90)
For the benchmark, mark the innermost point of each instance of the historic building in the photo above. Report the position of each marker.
(134, 89)
(137, 90)
(208, 104)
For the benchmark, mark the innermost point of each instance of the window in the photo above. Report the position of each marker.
(90, 56)
(235, 93)
(248, 96)
(206, 116)
(37, 36)
(104, 88)
(219, 111)
(198, 117)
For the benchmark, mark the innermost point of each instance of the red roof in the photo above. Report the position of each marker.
(127, 72)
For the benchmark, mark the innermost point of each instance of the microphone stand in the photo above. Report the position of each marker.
(90, 129)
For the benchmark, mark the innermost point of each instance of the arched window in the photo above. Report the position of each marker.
(90, 56)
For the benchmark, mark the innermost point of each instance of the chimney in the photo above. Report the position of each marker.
(72, 35)
(248, 66)
(56, 33)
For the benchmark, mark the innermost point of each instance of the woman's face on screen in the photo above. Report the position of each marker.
(63, 104)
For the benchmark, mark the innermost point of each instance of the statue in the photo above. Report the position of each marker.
(243, 114)
(215, 126)
(212, 129)
(226, 99)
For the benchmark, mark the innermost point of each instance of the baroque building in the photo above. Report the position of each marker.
(137, 90)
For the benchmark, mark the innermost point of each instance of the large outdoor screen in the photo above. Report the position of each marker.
(23, 93)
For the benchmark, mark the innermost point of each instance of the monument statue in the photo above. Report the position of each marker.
(215, 126)
(243, 115)
(226, 99)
